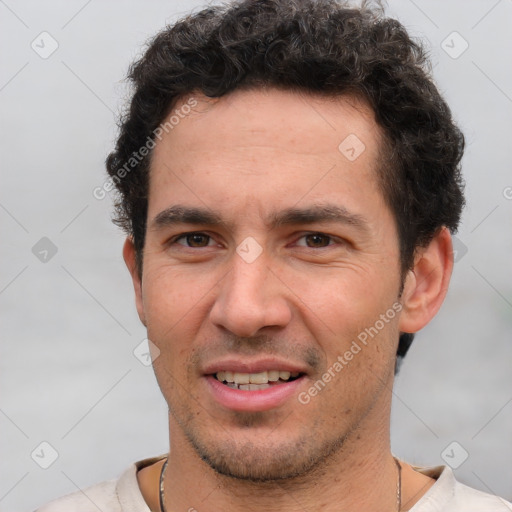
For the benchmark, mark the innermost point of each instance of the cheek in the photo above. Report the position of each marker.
(352, 315)
(360, 362)
(173, 304)
(345, 298)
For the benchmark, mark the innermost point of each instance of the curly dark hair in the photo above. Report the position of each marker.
(323, 47)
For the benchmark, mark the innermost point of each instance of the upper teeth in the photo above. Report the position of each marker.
(255, 378)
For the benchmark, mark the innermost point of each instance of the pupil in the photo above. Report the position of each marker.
(195, 240)
(317, 240)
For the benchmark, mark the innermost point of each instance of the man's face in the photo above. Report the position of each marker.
(245, 273)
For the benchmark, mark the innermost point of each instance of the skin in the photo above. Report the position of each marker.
(304, 299)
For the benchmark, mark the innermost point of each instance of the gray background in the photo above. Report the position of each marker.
(68, 373)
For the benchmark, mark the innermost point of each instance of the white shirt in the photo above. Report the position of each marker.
(123, 495)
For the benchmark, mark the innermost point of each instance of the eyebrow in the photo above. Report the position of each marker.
(291, 216)
(186, 215)
(316, 214)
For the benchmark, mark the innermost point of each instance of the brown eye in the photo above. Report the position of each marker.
(317, 240)
(194, 240)
(197, 240)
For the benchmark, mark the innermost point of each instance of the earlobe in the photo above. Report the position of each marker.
(427, 282)
(129, 255)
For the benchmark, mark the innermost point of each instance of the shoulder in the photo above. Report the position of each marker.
(101, 496)
(449, 495)
(117, 495)
(468, 499)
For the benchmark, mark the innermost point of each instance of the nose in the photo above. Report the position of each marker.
(251, 298)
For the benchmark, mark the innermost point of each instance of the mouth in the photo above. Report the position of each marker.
(256, 381)
(253, 386)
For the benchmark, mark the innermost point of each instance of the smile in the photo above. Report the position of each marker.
(247, 396)
(255, 381)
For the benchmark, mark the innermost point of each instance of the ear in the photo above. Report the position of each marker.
(427, 283)
(129, 259)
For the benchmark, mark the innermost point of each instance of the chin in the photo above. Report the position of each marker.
(266, 460)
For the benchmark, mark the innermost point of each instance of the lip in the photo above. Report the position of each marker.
(256, 366)
(252, 401)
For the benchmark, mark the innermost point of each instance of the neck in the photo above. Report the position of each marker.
(361, 476)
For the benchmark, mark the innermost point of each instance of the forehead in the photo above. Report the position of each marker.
(262, 147)
(319, 123)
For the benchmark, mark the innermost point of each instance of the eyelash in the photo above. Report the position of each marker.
(184, 236)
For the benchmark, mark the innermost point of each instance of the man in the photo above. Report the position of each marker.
(288, 178)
